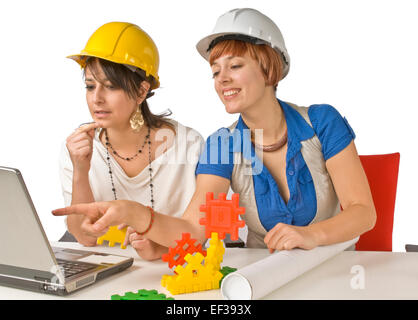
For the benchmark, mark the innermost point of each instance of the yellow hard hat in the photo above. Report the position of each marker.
(124, 43)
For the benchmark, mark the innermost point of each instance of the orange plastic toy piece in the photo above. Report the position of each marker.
(175, 256)
(222, 216)
(192, 278)
(113, 235)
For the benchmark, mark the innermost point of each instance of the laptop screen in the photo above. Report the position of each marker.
(23, 241)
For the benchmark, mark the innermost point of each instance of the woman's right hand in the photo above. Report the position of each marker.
(80, 147)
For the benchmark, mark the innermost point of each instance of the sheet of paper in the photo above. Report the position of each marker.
(264, 276)
(99, 259)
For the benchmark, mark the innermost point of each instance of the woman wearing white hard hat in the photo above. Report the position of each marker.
(127, 152)
(306, 163)
(293, 176)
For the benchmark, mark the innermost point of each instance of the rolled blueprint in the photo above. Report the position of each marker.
(264, 276)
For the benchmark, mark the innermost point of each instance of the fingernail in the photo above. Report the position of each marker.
(85, 124)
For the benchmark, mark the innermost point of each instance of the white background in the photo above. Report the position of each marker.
(359, 56)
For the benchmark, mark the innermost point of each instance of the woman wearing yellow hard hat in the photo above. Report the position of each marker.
(127, 152)
(293, 178)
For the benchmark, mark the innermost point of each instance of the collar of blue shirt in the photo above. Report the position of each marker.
(297, 130)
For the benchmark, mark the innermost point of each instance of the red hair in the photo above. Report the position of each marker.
(268, 59)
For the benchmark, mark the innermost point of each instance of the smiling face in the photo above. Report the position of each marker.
(109, 105)
(239, 82)
(244, 73)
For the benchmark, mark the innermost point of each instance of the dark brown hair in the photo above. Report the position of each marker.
(123, 78)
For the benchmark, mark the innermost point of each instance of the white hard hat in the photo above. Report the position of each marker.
(247, 25)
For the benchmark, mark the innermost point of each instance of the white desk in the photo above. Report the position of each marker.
(387, 276)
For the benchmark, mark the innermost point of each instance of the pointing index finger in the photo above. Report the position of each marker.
(93, 210)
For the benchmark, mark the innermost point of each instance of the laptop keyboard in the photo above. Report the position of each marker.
(71, 268)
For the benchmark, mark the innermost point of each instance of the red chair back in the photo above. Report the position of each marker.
(382, 174)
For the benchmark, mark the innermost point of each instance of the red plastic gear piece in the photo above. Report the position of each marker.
(222, 216)
(175, 256)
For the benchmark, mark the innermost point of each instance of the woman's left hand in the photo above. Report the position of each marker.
(287, 237)
(146, 248)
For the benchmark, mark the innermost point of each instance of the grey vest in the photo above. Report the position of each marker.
(242, 182)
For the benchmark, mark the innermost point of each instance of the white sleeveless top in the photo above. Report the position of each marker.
(173, 173)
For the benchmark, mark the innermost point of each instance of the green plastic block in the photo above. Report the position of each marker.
(142, 294)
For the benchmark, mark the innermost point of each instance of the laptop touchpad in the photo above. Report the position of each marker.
(66, 254)
(100, 259)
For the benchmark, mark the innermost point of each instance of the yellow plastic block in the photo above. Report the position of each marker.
(215, 252)
(113, 235)
(193, 277)
(164, 280)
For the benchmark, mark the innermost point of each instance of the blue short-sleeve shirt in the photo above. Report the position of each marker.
(334, 133)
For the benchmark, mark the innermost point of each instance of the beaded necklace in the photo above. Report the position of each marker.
(109, 146)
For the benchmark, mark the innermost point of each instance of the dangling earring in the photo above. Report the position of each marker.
(137, 120)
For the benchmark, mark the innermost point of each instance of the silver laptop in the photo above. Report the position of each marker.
(27, 261)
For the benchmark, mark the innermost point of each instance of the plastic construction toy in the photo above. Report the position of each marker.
(225, 271)
(141, 295)
(215, 252)
(222, 216)
(175, 256)
(113, 235)
(204, 273)
(192, 278)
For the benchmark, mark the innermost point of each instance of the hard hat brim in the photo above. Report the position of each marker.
(203, 45)
(80, 58)
(203, 48)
